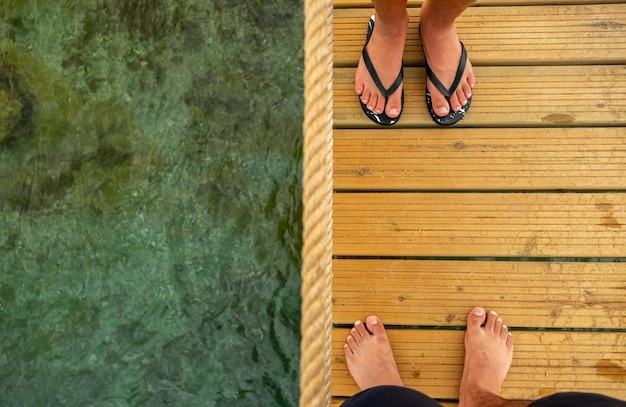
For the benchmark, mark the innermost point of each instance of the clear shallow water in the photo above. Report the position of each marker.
(150, 206)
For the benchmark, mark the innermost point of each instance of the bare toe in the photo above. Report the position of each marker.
(361, 330)
(359, 88)
(380, 105)
(372, 102)
(476, 318)
(375, 326)
(456, 101)
(393, 109)
(492, 318)
(350, 346)
(466, 92)
(365, 96)
(504, 332)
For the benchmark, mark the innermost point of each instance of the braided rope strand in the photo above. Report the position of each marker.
(317, 197)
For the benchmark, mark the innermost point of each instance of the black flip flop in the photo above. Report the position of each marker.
(452, 117)
(382, 118)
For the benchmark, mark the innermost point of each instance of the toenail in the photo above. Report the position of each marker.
(374, 321)
(479, 312)
(357, 323)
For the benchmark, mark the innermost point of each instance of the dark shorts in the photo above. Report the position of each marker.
(574, 399)
(403, 397)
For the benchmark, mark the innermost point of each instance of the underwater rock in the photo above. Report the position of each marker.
(10, 113)
(15, 106)
(59, 143)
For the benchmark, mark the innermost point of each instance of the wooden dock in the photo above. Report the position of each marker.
(520, 208)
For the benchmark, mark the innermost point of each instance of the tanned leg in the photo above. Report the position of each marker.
(385, 49)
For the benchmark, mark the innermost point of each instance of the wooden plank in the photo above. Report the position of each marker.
(508, 96)
(580, 34)
(480, 159)
(356, 4)
(479, 224)
(527, 294)
(543, 363)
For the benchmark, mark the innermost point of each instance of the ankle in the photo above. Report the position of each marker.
(479, 398)
(393, 25)
(435, 18)
(434, 27)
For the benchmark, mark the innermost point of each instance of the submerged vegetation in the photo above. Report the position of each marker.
(150, 202)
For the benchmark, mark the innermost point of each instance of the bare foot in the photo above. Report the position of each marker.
(385, 48)
(369, 356)
(488, 356)
(443, 52)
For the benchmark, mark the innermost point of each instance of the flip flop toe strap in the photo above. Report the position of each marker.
(374, 75)
(447, 92)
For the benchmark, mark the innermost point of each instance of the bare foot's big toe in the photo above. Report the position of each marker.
(375, 326)
(394, 106)
(475, 318)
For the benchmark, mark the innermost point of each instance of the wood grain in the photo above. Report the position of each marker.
(480, 159)
(527, 294)
(479, 224)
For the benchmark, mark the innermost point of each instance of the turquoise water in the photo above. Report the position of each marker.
(150, 206)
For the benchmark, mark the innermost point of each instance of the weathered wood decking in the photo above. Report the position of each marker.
(520, 208)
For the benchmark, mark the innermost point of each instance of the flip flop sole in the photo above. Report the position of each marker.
(382, 118)
(452, 117)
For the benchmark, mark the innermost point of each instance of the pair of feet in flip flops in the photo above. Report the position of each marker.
(379, 85)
